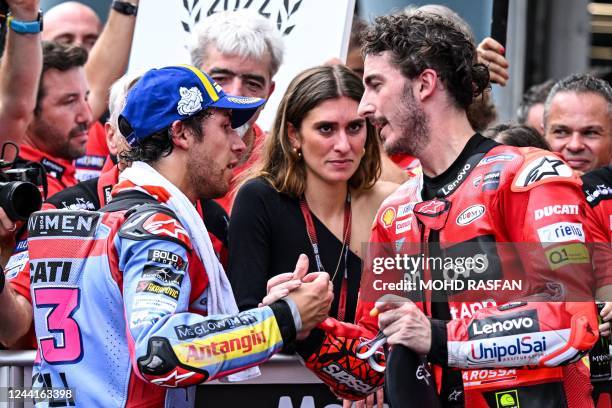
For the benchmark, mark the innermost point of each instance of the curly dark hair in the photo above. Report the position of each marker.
(419, 40)
(159, 144)
(61, 57)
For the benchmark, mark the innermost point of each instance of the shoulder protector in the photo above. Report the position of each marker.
(154, 221)
(541, 167)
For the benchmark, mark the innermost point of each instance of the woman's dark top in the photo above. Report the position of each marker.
(267, 233)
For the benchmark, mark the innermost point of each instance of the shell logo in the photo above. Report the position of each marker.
(388, 216)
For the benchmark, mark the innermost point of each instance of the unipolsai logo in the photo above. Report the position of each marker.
(280, 12)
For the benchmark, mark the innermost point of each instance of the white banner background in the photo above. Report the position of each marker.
(314, 31)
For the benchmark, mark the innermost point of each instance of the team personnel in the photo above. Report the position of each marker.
(129, 305)
(578, 121)
(242, 51)
(421, 75)
(57, 132)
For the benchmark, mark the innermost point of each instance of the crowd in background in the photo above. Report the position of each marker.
(311, 185)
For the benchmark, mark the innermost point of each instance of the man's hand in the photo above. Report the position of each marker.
(313, 299)
(368, 402)
(280, 285)
(402, 322)
(8, 228)
(26, 10)
(606, 315)
(491, 54)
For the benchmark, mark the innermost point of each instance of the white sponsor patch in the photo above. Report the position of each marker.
(243, 100)
(15, 264)
(153, 302)
(541, 169)
(559, 209)
(191, 101)
(144, 318)
(561, 232)
(404, 209)
(496, 158)
(470, 214)
(507, 351)
(403, 225)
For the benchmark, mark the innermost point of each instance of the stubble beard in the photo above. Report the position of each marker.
(65, 150)
(413, 127)
(209, 184)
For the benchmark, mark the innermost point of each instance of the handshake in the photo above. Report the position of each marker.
(312, 294)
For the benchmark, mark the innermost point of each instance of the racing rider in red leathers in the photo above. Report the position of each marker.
(420, 76)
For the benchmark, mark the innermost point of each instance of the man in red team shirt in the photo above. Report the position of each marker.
(57, 133)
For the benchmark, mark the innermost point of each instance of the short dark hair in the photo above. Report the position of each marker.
(419, 40)
(536, 94)
(159, 144)
(581, 84)
(61, 57)
(517, 135)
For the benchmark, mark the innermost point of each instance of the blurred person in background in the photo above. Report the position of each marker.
(516, 135)
(531, 110)
(57, 130)
(72, 23)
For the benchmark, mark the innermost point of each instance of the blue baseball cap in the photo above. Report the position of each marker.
(165, 95)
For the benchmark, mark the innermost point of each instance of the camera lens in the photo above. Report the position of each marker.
(19, 199)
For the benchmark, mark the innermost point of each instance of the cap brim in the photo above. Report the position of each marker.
(243, 108)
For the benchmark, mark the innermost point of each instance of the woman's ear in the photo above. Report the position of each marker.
(294, 136)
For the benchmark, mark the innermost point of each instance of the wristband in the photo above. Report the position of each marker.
(25, 27)
(124, 7)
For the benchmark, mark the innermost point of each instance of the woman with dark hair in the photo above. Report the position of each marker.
(314, 191)
(517, 135)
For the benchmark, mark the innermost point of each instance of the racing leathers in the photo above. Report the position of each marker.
(597, 188)
(120, 309)
(484, 339)
(91, 195)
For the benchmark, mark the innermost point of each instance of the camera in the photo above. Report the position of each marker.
(19, 194)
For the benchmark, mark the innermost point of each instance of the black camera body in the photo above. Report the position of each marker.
(19, 194)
